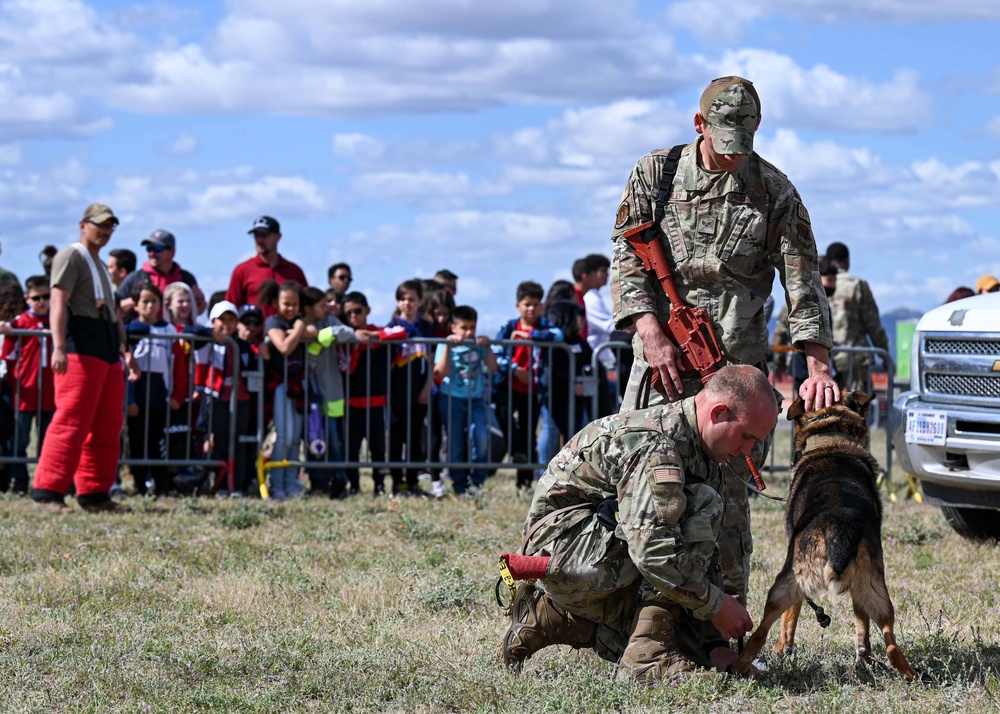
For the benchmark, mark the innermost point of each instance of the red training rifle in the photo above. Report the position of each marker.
(690, 328)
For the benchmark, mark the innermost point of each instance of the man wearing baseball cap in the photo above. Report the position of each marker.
(89, 353)
(266, 265)
(726, 220)
(161, 270)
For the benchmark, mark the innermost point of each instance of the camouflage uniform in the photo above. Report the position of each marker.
(669, 515)
(855, 319)
(724, 234)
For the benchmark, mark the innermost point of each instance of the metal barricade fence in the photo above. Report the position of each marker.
(375, 413)
(403, 420)
(33, 392)
(160, 437)
(154, 428)
(859, 375)
(393, 410)
(611, 364)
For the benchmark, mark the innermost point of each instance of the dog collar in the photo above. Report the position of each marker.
(817, 441)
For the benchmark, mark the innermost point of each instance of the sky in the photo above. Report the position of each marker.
(491, 139)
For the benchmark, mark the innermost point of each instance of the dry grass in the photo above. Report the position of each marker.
(377, 605)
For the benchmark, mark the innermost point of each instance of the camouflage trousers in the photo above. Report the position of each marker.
(592, 575)
(735, 539)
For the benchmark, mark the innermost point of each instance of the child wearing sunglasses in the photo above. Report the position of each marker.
(367, 369)
(34, 395)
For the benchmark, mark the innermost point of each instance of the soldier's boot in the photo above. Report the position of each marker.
(537, 622)
(652, 653)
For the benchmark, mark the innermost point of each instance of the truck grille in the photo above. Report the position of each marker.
(934, 345)
(963, 385)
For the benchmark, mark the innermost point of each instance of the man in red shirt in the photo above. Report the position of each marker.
(266, 265)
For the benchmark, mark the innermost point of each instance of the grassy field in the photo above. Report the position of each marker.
(375, 605)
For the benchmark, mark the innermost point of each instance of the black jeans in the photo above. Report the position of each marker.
(365, 423)
(145, 437)
(406, 425)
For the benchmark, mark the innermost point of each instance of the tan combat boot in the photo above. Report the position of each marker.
(652, 653)
(537, 622)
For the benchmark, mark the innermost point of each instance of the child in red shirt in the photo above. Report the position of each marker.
(367, 367)
(30, 378)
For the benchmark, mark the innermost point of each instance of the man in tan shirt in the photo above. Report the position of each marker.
(89, 357)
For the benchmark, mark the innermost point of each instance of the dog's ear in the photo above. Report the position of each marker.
(858, 401)
(797, 409)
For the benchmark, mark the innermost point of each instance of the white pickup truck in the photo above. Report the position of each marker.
(946, 428)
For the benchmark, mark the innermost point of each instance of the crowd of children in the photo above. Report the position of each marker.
(336, 387)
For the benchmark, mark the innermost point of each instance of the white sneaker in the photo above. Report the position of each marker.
(437, 489)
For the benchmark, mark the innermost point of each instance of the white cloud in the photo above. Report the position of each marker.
(203, 199)
(729, 20)
(347, 58)
(714, 21)
(58, 33)
(11, 154)
(358, 146)
(513, 230)
(820, 164)
(183, 145)
(823, 98)
(515, 18)
(26, 112)
(426, 185)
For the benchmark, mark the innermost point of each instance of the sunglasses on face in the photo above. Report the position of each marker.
(355, 311)
(348, 278)
(39, 298)
(155, 249)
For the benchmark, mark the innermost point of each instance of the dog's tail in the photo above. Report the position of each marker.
(841, 548)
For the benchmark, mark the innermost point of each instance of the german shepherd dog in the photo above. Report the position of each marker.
(833, 524)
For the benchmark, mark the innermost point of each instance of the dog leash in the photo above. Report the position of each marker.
(753, 487)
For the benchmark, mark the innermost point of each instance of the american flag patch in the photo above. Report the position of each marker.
(668, 474)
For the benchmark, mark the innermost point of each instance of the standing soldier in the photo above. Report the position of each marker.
(855, 320)
(727, 220)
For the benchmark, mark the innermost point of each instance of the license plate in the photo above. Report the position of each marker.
(926, 427)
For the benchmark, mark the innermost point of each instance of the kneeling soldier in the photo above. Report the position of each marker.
(622, 534)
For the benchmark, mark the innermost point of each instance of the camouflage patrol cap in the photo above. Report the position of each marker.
(731, 107)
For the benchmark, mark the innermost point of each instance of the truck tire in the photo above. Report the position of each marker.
(974, 523)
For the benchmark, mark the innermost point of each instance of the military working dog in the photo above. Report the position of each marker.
(833, 524)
